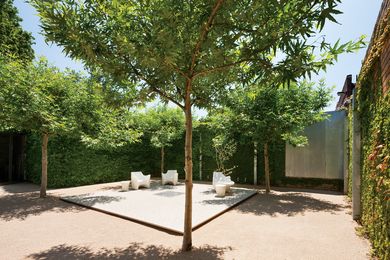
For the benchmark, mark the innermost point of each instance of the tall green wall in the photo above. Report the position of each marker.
(374, 106)
(71, 163)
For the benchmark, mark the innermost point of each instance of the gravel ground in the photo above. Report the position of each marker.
(286, 224)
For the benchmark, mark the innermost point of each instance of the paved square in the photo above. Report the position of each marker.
(162, 206)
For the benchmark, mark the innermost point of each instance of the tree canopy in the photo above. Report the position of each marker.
(267, 113)
(162, 44)
(14, 41)
(163, 125)
(191, 52)
(37, 97)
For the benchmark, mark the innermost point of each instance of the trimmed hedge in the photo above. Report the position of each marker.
(71, 163)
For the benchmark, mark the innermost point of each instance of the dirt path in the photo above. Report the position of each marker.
(285, 224)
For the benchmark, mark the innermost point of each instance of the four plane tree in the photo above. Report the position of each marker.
(189, 52)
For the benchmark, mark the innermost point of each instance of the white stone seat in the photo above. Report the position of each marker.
(220, 178)
(139, 180)
(170, 177)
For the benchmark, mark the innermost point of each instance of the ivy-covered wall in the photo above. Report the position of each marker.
(350, 151)
(374, 106)
(375, 174)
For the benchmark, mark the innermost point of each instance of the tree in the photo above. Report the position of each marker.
(164, 125)
(14, 41)
(111, 127)
(224, 142)
(37, 97)
(189, 52)
(267, 114)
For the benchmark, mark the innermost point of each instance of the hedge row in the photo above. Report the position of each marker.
(71, 163)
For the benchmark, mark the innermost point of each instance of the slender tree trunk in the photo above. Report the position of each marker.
(187, 236)
(200, 156)
(45, 139)
(162, 158)
(10, 157)
(266, 169)
(255, 163)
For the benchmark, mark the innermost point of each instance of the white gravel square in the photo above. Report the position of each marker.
(162, 206)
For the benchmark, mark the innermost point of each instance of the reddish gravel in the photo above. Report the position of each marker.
(286, 224)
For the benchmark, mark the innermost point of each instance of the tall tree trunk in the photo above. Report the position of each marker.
(187, 236)
(162, 159)
(45, 139)
(10, 157)
(200, 156)
(255, 163)
(266, 169)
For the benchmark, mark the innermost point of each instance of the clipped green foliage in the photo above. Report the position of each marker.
(73, 163)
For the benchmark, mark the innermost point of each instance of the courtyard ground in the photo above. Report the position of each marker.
(286, 224)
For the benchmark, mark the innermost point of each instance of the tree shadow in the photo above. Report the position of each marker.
(287, 203)
(169, 194)
(233, 197)
(156, 185)
(133, 251)
(116, 187)
(22, 205)
(90, 200)
(210, 191)
(19, 188)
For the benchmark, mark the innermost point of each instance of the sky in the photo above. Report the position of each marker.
(358, 18)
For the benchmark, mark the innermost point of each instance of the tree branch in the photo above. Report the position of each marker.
(161, 93)
(222, 67)
(282, 35)
(155, 89)
(203, 34)
(175, 68)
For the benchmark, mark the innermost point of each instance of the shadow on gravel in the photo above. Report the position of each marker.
(134, 251)
(19, 188)
(90, 200)
(288, 203)
(22, 205)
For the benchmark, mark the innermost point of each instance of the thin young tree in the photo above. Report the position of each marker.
(265, 114)
(15, 44)
(188, 52)
(38, 98)
(163, 125)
